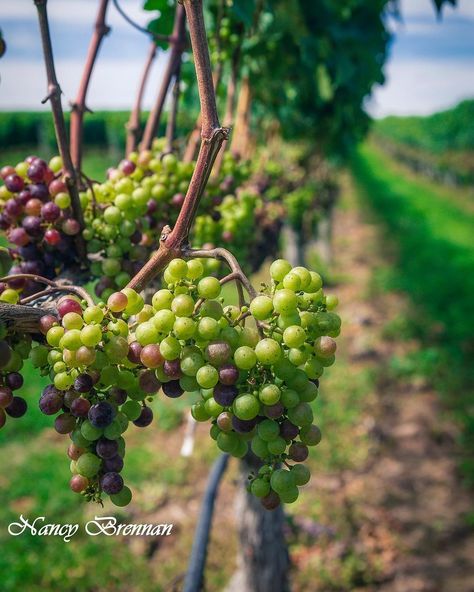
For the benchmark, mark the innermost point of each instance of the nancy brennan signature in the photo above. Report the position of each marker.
(106, 525)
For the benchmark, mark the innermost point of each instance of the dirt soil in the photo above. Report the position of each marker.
(406, 505)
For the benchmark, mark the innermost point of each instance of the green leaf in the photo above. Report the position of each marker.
(244, 10)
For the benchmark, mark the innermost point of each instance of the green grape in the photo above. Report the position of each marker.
(260, 487)
(268, 351)
(285, 301)
(184, 328)
(178, 268)
(123, 498)
(304, 276)
(301, 474)
(268, 430)
(289, 398)
(91, 335)
(259, 447)
(245, 357)
(209, 287)
(290, 495)
(261, 307)
(212, 407)
(88, 464)
(146, 333)
(162, 300)
(164, 320)
(182, 305)
(207, 376)
(208, 328)
(277, 446)
(195, 269)
(310, 435)
(227, 441)
(90, 432)
(294, 336)
(191, 363)
(246, 407)
(199, 412)
(170, 348)
(292, 281)
(269, 394)
(301, 415)
(279, 268)
(282, 480)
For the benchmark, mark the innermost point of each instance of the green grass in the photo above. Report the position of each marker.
(432, 237)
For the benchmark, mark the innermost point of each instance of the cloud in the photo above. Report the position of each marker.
(421, 87)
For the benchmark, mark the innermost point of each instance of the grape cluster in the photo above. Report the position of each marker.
(254, 383)
(14, 349)
(35, 213)
(96, 390)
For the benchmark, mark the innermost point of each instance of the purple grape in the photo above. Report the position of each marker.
(101, 414)
(64, 423)
(288, 430)
(113, 465)
(218, 352)
(14, 183)
(6, 397)
(33, 267)
(37, 170)
(14, 380)
(118, 395)
(39, 191)
(145, 418)
(32, 225)
(24, 196)
(274, 411)
(134, 351)
(228, 374)
(50, 211)
(127, 167)
(50, 402)
(83, 383)
(5, 222)
(111, 483)
(225, 394)
(17, 284)
(19, 237)
(69, 397)
(13, 208)
(172, 368)
(80, 407)
(148, 382)
(136, 237)
(17, 407)
(243, 426)
(106, 448)
(298, 452)
(172, 389)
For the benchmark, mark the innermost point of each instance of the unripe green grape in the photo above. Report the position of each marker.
(289, 398)
(63, 381)
(189, 384)
(292, 281)
(191, 363)
(301, 415)
(309, 393)
(246, 407)
(184, 328)
(72, 320)
(285, 321)
(282, 480)
(268, 430)
(212, 407)
(331, 301)
(182, 305)
(208, 328)
(301, 474)
(88, 464)
(39, 356)
(118, 327)
(111, 267)
(304, 275)
(54, 335)
(260, 487)
(170, 348)
(91, 335)
(116, 349)
(249, 336)
(231, 335)
(209, 287)
(93, 314)
(268, 351)
(207, 393)
(279, 268)
(315, 284)
(113, 431)
(261, 307)
(195, 269)
(207, 376)
(227, 441)
(241, 449)
(298, 381)
(310, 435)
(284, 369)
(135, 301)
(269, 394)
(259, 447)
(290, 495)
(297, 356)
(213, 309)
(214, 431)
(164, 320)
(199, 412)
(123, 498)
(313, 368)
(294, 336)
(277, 446)
(178, 268)
(245, 357)
(326, 362)
(285, 301)
(146, 333)
(147, 313)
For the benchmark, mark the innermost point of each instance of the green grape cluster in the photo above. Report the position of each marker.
(253, 383)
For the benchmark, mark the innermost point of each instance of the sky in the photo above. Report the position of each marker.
(431, 64)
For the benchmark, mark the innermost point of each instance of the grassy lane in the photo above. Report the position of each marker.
(432, 240)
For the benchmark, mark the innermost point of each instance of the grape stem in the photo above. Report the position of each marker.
(178, 44)
(174, 242)
(133, 125)
(224, 255)
(54, 96)
(78, 107)
(52, 287)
